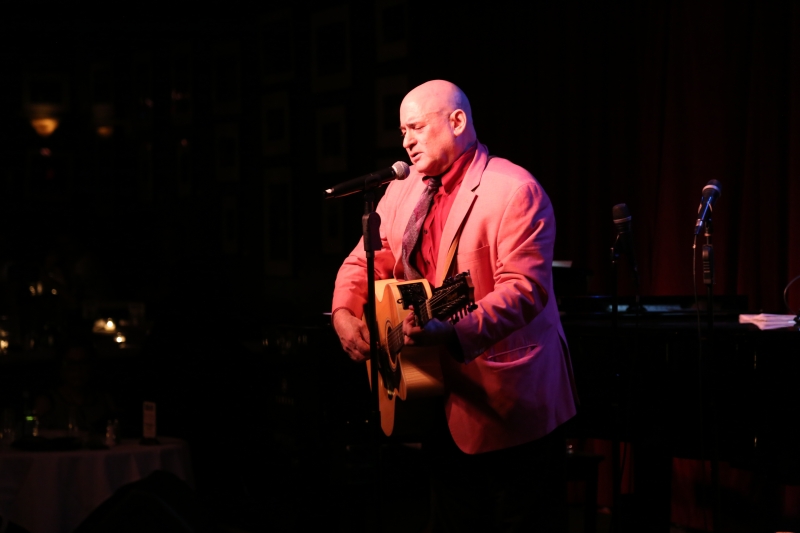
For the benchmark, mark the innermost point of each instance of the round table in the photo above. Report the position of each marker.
(54, 491)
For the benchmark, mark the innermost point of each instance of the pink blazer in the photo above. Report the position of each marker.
(518, 384)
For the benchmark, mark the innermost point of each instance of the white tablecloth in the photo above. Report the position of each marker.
(53, 492)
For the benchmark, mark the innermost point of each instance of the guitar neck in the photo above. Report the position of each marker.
(444, 302)
(424, 314)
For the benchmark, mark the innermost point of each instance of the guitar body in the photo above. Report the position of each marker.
(410, 377)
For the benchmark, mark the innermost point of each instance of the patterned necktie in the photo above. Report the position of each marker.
(411, 235)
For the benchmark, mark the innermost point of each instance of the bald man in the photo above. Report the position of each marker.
(497, 460)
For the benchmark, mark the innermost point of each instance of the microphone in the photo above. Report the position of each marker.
(398, 171)
(622, 219)
(711, 192)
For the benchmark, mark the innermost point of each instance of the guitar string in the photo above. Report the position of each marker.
(432, 302)
(395, 335)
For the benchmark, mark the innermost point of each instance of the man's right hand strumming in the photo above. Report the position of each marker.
(353, 334)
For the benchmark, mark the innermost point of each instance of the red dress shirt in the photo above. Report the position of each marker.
(424, 256)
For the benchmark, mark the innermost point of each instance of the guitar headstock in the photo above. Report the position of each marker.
(454, 299)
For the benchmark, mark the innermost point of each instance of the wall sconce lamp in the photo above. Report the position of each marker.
(44, 126)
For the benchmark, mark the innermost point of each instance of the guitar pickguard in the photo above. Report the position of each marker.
(412, 294)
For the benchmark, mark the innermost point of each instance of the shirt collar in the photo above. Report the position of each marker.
(457, 170)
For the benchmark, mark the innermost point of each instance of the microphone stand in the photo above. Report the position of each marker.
(708, 280)
(617, 466)
(708, 274)
(370, 226)
(616, 470)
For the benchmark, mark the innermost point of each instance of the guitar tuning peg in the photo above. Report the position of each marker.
(472, 307)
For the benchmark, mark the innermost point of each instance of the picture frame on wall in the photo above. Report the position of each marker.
(276, 47)
(183, 167)
(331, 139)
(181, 83)
(278, 211)
(391, 29)
(49, 175)
(46, 89)
(102, 78)
(145, 172)
(330, 49)
(226, 152)
(141, 76)
(389, 92)
(275, 121)
(230, 225)
(333, 227)
(226, 79)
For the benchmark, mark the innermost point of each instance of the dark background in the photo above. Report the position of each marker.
(604, 104)
(204, 201)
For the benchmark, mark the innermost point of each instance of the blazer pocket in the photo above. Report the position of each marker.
(498, 360)
(480, 254)
(478, 263)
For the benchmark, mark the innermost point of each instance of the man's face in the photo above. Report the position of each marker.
(427, 137)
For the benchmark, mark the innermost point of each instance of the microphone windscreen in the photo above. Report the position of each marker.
(711, 187)
(621, 213)
(401, 170)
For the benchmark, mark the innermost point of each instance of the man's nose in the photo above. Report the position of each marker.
(408, 140)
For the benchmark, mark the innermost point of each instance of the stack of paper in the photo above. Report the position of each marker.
(768, 321)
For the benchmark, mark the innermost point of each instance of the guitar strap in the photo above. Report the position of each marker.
(451, 253)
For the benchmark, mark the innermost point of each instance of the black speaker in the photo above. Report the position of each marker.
(161, 502)
(11, 527)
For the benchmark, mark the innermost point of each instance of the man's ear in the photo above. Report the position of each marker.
(458, 122)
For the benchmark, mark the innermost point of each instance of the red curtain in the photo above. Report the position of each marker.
(644, 105)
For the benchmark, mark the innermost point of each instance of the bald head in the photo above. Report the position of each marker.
(441, 96)
(436, 123)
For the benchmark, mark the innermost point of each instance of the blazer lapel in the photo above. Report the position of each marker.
(466, 197)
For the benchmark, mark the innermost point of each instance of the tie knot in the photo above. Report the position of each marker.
(434, 182)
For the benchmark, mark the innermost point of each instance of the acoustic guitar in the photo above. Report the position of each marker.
(405, 382)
